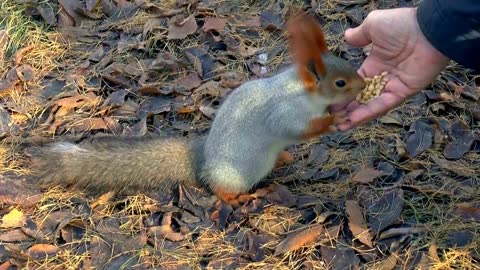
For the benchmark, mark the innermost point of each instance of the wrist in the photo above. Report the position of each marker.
(446, 27)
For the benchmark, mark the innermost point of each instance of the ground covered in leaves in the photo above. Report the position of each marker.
(402, 192)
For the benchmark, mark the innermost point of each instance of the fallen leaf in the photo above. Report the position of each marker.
(221, 213)
(255, 250)
(281, 195)
(97, 123)
(245, 50)
(340, 257)
(457, 239)
(271, 21)
(471, 92)
(17, 191)
(138, 129)
(388, 264)
(103, 199)
(10, 81)
(165, 230)
(356, 223)
(25, 73)
(180, 30)
(99, 251)
(298, 239)
(318, 154)
(116, 99)
(21, 53)
(208, 111)
(6, 265)
(97, 54)
(14, 218)
(5, 122)
(467, 211)
(73, 233)
(366, 175)
(382, 212)
(392, 118)
(462, 142)
(232, 79)
(214, 23)
(14, 236)
(185, 84)
(4, 39)
(69, 104)
(152, 24)
(420, 137)
(154, 105)
(40, 252)
(456, 167)
(204, 63)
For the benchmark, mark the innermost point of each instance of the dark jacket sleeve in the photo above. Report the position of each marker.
(453, 28)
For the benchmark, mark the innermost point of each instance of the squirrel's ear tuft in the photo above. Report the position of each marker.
(306, 45)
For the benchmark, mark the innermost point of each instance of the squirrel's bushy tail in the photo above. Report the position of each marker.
(119, 164)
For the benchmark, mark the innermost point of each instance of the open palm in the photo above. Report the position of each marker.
(399, 47)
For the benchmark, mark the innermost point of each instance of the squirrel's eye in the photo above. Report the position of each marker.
(340, 83)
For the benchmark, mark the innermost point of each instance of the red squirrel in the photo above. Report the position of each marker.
(253, 126)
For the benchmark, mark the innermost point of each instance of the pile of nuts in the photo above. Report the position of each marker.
(374, 87)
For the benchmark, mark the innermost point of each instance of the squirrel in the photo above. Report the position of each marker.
(247, 138)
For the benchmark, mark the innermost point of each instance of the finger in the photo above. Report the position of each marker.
(341, 106)
(372, 110)
(359, 36)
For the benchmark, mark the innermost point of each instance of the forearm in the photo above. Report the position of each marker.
(453, 28)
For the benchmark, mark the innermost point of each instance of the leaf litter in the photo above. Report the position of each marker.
(139, 68)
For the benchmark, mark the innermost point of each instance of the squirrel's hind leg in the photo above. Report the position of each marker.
(235, 199)
(284, 158)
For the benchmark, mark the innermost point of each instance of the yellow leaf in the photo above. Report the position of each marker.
(13, 219)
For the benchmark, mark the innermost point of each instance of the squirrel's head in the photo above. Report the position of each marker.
(322, 74)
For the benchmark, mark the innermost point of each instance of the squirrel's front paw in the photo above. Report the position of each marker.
(340, 117)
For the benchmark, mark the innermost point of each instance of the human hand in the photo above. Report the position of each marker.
(399, 47)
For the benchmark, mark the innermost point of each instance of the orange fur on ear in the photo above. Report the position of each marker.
(306, 44)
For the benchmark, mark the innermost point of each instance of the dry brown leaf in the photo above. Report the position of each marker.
(10, 81)
(180, 30)
(187, 83)
(6, 266)
(207, 111)
(40, 252)
(25, 73)
(21, 53)
(444, 96)
(3, 45)
(13, 219)
(432, 251)
(245, 50)
(104, 198)
(467, 211)
(357, 224)
(97, 123)
(165, 229)
(232, 79)
(366, 175)
(387, 264)
(16, 235)
(299, 239)
(214, 23)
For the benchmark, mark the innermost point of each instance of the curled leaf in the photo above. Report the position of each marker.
(356, 223)
(299, 239)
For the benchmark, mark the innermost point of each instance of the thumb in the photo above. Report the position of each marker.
(359, 36)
